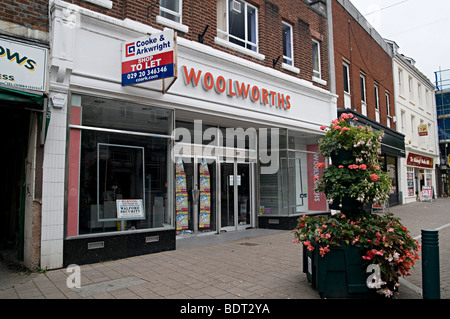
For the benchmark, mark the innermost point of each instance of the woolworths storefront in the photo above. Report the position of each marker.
(221, 144)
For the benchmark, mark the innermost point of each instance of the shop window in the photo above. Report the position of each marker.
(237, 22)
(290, 190)
(124, 177)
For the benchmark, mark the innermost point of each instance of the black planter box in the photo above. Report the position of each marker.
(339, 274)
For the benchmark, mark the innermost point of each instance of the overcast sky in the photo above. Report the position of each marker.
(420, 28)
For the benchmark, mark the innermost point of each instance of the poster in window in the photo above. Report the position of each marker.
(205, 196)
(181, 198)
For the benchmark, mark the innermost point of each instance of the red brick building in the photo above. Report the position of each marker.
(363, 62)
(364, 82)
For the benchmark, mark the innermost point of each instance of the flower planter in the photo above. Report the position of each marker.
(342, 157)
(339, 274)
(346, 204)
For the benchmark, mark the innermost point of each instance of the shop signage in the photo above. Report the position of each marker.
(234, 88)
(316, 201)
(130, 209)
(423, 130)
(148, 58)
(427, 193)
(23, 66)
(419, 160)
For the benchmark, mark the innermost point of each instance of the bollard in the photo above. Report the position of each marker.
(430, 265)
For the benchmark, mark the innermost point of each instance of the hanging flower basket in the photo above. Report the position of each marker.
(340, 249)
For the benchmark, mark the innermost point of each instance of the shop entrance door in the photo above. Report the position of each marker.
(195, 195)
(236, 196)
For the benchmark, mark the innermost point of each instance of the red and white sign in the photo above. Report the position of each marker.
(419, 160)
(148, 58)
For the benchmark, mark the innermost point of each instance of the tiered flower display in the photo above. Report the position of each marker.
(382, 240)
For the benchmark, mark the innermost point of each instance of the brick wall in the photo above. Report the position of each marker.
(353, 44)
(199, 13)
(30, 14)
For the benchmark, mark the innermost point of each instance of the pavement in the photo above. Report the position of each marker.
(251, 264)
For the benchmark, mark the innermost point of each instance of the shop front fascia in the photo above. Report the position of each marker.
(122, 139)
(420, 177)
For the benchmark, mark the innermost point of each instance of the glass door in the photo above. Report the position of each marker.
(236, 196)
(195, 195)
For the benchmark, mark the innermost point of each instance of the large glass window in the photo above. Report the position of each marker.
(124, 176)
(290, 190)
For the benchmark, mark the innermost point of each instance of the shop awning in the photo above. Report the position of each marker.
(21, 99)
(393, 142)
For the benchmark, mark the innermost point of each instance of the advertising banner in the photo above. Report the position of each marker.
(148, 58)
(181, 197)
(23, 66)
(205, 196)
(316, 201)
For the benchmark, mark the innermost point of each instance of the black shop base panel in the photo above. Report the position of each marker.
(88, 250)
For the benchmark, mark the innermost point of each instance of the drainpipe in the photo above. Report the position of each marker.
(331, 66)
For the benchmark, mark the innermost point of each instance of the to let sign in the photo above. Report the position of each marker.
(148, 58)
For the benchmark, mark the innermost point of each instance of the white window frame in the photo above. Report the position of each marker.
(400, 81)
(179, 26)
(377, 102)
(286, 59)
(347, 66)
(317, 73)
(362, 81)
(226, 33)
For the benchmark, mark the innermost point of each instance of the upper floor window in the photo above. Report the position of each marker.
(363, 88)
(288, 56)
(316, 58)
(237, 22)
(170, 15)
(400, 82)
(171, 9)
(346, 76)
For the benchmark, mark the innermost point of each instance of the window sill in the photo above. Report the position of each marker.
(290, 68)
(102, 3)
(238, 48)
(319, 80)
(172, 24)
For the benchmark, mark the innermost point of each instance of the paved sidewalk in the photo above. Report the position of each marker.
(253, 264)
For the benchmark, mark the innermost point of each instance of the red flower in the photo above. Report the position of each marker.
(374, 177)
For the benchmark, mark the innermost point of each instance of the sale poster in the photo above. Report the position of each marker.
(181, 197)
(205, 196)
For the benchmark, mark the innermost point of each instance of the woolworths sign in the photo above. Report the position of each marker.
(23, 66)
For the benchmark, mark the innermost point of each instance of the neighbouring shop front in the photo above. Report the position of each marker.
(392, 150)
(23, 104)
(420, 176)
(227, 145)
